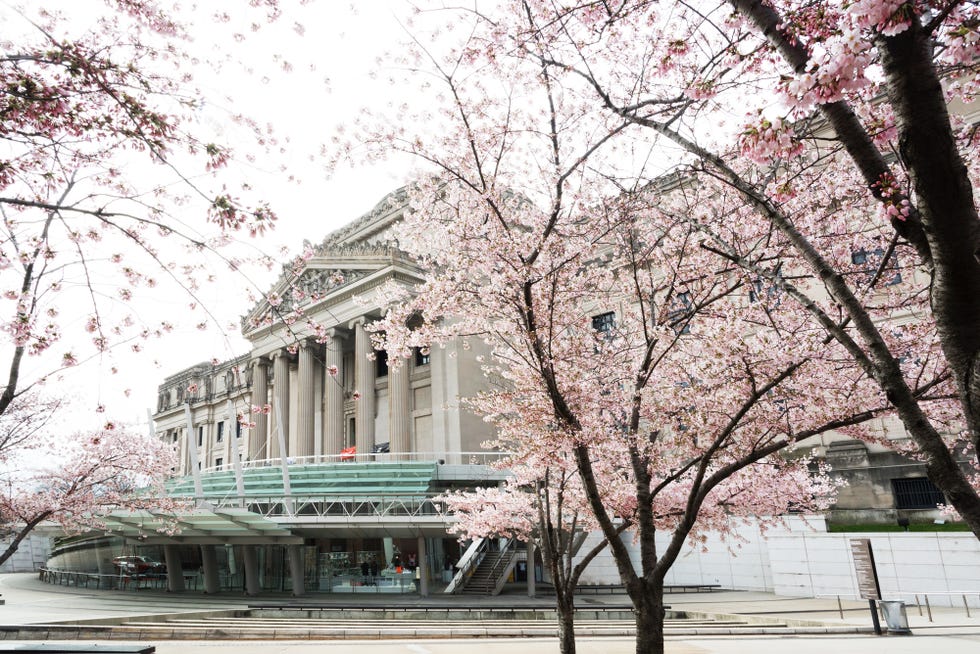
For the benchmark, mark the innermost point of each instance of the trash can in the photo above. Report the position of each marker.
(895, 617)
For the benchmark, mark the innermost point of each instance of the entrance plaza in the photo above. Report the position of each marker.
(34, 610)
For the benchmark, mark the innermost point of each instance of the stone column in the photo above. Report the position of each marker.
(209, 564)
(423, 563)
(251, 560)
(175, 571)
(398, 414)
(364, 375)
(530, 568)
(280, 398)
(306, 406)
(296, 569)
(333, 391)
(258, 442)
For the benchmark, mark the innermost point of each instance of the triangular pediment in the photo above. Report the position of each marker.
(347, 257)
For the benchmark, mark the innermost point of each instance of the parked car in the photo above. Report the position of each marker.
(138, 565)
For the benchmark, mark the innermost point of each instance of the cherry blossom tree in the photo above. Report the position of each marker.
(640, 314)
(114, 189)
(840, 136)
(541, 503)
(73, 481)
(105, 161)
(671, 406)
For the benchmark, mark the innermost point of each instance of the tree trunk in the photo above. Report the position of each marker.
(950, 233)
(650, 614)
(946, 204)
(566, 625)
(945, 198)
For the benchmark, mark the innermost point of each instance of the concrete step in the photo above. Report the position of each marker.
(387, 630)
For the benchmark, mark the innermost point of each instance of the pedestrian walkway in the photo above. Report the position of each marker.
(714, 623)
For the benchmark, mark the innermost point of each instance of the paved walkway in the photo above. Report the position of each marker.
(30, 602)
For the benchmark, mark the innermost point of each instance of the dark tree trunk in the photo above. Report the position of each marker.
(650, 614)
(945, 201)
(945, 198)
(566, 625)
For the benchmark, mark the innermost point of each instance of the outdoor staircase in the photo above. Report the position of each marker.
(484, 570)
(484, 580)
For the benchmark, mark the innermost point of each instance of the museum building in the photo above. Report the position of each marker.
(310, 465)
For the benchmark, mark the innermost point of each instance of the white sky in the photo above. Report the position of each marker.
(340, 45)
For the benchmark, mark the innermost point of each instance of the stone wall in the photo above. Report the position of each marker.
(800, 559)
(31, 555)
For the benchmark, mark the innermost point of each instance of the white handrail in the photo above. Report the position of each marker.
(470, 559)
(465, 458)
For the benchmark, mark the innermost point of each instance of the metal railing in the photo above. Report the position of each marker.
(111, 581)
(505, 558)
(458, 458)
(914, 598)
(468, 563)
(346, 505)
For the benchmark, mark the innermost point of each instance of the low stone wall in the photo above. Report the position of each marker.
(800, 559)
(944, 565)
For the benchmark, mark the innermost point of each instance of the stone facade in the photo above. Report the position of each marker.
(414, 410)
(323, 388)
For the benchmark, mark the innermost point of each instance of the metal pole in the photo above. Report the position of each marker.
(236, 461)
(874, 616)
(928, 608)
(840, 608)
(966, 605)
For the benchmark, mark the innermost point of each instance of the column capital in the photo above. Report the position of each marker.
(260, 360)
(358, 322)
(282, 353)
(338, 333)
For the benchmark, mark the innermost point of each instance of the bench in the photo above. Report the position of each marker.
(694, 588)
(596, 589)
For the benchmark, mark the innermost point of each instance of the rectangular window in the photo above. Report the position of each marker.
(200, 435)
(680, 313)
(381, 363)
(870, 260)
(916, 493)
(238, 429)
(221, 431)
(219, 462)
(604, 323)
(422, 356)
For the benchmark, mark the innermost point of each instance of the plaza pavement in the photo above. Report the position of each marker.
(28, 601)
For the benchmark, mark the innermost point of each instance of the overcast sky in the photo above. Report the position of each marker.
(333, 49)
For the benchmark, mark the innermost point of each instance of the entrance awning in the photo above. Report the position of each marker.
(200, 526)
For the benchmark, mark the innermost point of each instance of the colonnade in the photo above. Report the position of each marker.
(250, 567)
(311, 361)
